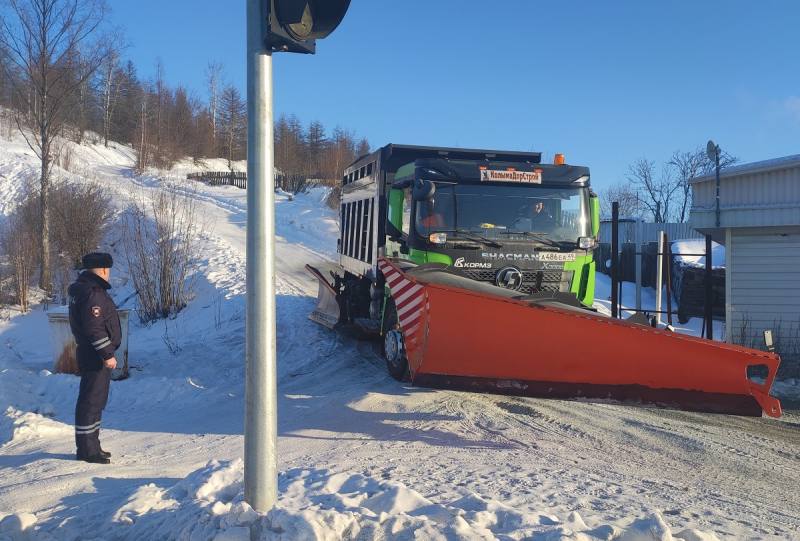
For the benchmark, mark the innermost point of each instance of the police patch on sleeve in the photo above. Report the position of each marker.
(96, 311)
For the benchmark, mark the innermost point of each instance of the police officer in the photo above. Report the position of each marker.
(95, 324)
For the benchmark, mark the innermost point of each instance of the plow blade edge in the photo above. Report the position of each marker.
(327, 311)
(463, 334)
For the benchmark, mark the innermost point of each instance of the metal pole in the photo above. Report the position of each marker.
(716, 160)
(709, 308)
(638, 255)
(614, 259)
(261, 405)
(659, 273)
(668, 277)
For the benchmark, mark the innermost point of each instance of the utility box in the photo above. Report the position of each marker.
(64, 346)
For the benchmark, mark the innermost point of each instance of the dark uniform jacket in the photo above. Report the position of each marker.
(94, 321)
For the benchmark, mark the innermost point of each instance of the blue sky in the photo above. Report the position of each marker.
(605, 82)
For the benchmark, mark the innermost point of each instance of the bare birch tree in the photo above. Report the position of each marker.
(111, 85)
(630, 205)
(690, 165)
(214, 78)
(161, 91)
(657, 194)
(686, 165)
(45, 41)
(143, 136)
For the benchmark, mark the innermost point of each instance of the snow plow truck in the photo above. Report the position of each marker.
(476, 269)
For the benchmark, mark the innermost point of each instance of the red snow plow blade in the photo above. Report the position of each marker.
(463, 334)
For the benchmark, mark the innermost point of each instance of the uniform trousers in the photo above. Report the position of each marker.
(92, 398)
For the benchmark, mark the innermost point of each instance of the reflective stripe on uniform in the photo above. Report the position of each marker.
(103, 339)
(90, 428)
(100, 344)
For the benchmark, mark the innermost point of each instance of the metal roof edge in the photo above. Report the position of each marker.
(445, 150)
(786, 162)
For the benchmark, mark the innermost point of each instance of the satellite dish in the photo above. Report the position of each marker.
(711, 150)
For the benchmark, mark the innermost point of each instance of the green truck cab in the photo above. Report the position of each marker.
(493, 216)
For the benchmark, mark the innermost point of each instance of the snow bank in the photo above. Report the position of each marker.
(30, 403)
(320, 505)
(17, 425)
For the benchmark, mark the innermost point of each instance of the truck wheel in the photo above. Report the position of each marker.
(394, 351)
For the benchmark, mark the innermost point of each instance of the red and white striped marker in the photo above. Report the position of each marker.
(409, 300)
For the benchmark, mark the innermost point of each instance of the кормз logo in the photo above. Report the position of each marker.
(461, 263)
(509, 278)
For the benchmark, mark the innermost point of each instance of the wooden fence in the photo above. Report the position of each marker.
(223, 178)
(288, 183)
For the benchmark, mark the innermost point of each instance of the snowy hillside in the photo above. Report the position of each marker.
(361, 456)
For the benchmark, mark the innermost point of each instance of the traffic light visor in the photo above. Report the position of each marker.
(310, 19)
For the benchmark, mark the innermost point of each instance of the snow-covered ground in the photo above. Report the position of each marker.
(361, 456)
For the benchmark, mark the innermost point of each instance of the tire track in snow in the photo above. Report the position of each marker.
(700, 466)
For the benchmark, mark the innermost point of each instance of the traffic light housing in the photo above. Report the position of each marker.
(294, 25)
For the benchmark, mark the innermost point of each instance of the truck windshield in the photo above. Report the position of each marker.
(556, 214)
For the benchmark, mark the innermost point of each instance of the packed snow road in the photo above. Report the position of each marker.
(361, 455)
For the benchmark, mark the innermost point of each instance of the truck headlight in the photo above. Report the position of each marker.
(438, 238)
(587, 243)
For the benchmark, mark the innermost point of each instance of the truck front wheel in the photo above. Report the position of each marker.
(394, 351)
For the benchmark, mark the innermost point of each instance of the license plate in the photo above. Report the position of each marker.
(555, 256)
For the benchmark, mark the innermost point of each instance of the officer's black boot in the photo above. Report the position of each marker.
(96, 459)
(105, 454)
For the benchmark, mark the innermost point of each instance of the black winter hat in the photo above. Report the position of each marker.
(97, 260)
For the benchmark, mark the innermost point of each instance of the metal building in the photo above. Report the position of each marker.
(759, 224)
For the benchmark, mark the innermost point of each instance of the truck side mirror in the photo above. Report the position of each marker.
(423, 190)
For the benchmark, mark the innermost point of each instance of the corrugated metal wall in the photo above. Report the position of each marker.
(627, 231)
(750, 200)
(764, 275)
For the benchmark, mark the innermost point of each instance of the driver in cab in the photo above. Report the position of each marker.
(534, 216)
(429, 217)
